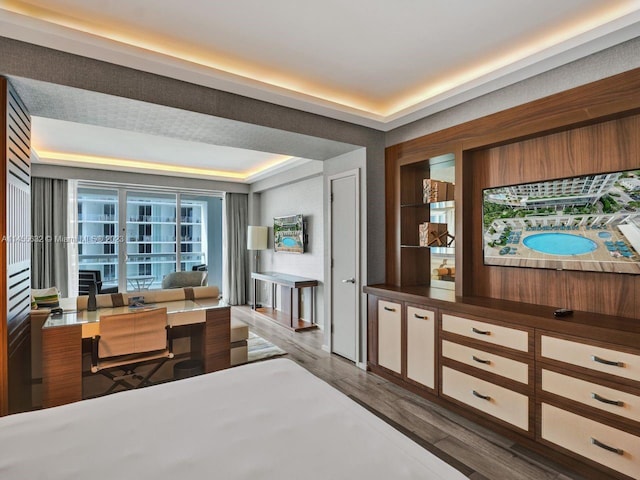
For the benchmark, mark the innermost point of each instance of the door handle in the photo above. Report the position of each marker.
(349, 280)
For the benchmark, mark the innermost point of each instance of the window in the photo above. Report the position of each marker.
(162, 232)
(97, 227)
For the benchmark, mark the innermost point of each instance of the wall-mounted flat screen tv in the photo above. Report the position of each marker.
(586, 223)
(288, 234)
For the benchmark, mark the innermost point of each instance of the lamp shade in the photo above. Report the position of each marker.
(257, 238)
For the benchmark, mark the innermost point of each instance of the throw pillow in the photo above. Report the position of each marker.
(46, 297)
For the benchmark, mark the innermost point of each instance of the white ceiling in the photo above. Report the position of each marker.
(378, 63)
(74, 144)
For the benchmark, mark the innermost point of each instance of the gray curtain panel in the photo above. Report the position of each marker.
(49, 260)
(236, 217)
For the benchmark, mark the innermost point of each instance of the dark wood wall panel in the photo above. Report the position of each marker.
(18, 213)
(4, 347)
(608, 146)
(20, 369)
(15, 252)
(217, 355)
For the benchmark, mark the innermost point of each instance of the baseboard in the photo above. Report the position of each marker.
(326, 348)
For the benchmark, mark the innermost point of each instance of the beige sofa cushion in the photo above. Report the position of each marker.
(159, 296)
(150, 296)
(239, 330)
(210, 291)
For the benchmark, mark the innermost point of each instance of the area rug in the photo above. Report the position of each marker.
(260, 349)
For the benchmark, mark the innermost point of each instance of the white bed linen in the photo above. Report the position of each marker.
(267, 420)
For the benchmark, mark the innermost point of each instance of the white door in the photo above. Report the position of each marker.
(345, 265)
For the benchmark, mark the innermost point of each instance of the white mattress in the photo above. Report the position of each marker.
(268, 420)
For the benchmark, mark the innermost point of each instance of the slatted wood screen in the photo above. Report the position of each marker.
(15, 249)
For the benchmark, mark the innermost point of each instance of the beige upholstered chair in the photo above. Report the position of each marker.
(129, 340)
(184, 279)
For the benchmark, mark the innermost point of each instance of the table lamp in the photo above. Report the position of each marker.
(257, 240)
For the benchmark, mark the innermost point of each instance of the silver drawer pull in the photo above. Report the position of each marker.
(479, 395)
(480, 332)
(606, 362)
(420, 317)
(595, 396)
(389, 309)
(595, 442)
(480, 360)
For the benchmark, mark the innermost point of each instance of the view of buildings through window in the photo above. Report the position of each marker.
(158, 234)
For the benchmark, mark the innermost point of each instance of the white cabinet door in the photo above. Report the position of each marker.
(390, 335)
(421, 346)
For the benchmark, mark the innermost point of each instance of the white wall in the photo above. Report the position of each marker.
(306, 191)
(302, 197)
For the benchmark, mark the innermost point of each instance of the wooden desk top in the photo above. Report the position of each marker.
(180, 312)
(285, 279)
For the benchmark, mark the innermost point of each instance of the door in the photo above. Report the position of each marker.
(345, 254)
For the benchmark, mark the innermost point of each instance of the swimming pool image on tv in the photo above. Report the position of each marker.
(560, 244)
(289, 242)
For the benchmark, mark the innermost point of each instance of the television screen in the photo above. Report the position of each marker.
(587, 223)
(288, 234)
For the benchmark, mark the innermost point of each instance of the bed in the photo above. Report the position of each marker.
(267, 420)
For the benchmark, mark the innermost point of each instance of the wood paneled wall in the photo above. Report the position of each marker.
(603, 147)
(589, 129)
(15, 250)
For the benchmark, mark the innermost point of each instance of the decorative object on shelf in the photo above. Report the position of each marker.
(436, 191)
(434, 235)
(444, 273)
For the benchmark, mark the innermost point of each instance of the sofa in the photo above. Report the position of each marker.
(239, 329)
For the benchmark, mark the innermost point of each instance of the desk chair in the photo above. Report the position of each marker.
(128, 341)
(87, 277)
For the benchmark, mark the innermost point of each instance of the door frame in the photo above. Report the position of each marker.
(329, 292)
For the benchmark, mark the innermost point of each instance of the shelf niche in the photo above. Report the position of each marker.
(418, 262)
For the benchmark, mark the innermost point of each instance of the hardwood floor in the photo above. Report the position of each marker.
(477, 452)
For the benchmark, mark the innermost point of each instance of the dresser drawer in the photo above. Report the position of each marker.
(500, 402)
(421, 358)
(487, 332)
(603, 398)
(488, 362)
(602, 444)
(605, 360)
(390, 335)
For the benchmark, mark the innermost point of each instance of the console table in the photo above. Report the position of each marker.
(290, 285)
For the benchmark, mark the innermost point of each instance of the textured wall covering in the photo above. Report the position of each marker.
(86, 107)
(38, 63)
(303, 197)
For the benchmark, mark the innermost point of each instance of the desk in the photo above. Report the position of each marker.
(291, 285)
(62, 343)
(141, 282)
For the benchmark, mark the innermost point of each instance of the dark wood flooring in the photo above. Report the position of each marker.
(477, 452)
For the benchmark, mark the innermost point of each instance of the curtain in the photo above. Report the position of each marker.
(235, 232)
(49, 258)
